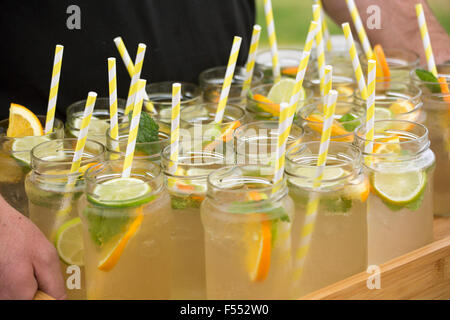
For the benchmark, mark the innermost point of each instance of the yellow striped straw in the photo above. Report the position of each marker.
(272, 40)
(327, 82)
(360, 28)
(250, 65)
(426, 40)
(134, 80)
(175, 126)
(355, 60)
(370, 108)
(320, 47)
(312, 31)
(134, 127)
(229, 73)
(326, 32)
(113, 117)
(54, 84)
(313, 203)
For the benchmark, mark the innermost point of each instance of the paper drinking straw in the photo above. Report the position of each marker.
(54, 84)
(426, 40)
(113, 120)
(175, 127)
(134, 127)
(355, 60)
(360, 29)
(370, 108)
(327, 82)
(312, 31)
(320, 46)
(123, 52)
(272, 40)
(250, 65)
(313, 203)
(326, 32)
(134, 80)
(229, 73)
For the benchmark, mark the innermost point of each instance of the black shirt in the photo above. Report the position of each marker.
(183, 37)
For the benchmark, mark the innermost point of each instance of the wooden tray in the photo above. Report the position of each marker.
(420, 274)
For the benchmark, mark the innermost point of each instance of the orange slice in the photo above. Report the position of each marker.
(113, 256)
(289, 71)
(444, 88)
(226, 136)
(387, 145)
(259, 251)
(316, 123)
(383, 71)
(267, 105)
(23, 122)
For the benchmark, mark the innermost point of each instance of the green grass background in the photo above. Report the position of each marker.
(292, 18)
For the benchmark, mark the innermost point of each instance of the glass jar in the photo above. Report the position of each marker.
(438, 123)
(99, 121)
(259, 108)
(211, 81)
(15, 162)
(400, 204)
(126, 231)
(347, 117)
(186, 181)
(256, 142)
(54, 193)
(247, 235)
(336, 248)
(160, 95)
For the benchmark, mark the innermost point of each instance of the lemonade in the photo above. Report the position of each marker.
(126, 227)
(15, 162)
(247, 235)
(338, 246)
(211, 81)
(400, 204)
(54, 196)
(99, 120)
(187, 189)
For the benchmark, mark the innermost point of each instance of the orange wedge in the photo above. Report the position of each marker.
(267, 105)
(289, 71)
(316, 123)
(23, 122)
(226, 136)
(259, 251)
(444, 88)
(114, 255)
(383, 71)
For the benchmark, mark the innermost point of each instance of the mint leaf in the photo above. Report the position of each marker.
(103, 228)
(337, 205)
(352, 125)
(179, 203)
(427, 76)
(250, 94)
(147, 132)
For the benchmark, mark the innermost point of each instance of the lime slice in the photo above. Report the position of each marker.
(97, 126)
(329, 173)
(399, 188)
(21, 147)
(282, 91)
(69, 242)
(382, 113)
(121, 193)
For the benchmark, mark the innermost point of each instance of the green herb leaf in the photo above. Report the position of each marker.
(337, 205)
(427, 76)
(179, 203)
(352, 125)
(147, 132)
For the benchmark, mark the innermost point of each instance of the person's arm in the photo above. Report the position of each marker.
(28, 261)
(399, 27)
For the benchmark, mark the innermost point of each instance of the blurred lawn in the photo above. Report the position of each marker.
(292, 19)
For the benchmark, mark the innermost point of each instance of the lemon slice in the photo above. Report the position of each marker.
(382, 113)
(308, 174)
(21, 147)
(69, 242)
(121, 193)
(23, 122)
(387, 145)
(96, 127)
(281, 91)
(259, 250)
(399, 188)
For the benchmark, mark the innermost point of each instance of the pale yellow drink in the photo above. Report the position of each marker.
(54, 201)
(338, 245)
(400, 205)
(126, 227)
(247, 235)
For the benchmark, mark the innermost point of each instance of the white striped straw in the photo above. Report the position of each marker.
(175, 127)
(54, 84)
(250, 65)
(426, 40)
(320, 47)
(272, 40)
(229, 73)
(134, 80)
(370, 105)
(134, 127)
(326, 32)
(360, 29)
(113, 117)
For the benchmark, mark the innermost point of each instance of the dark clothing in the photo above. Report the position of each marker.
(183, 37)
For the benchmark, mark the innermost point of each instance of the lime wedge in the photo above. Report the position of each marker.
(282, 91)
(399, 188)
(308, 174)
(21, 147)
(121, 193)
(69, 242)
